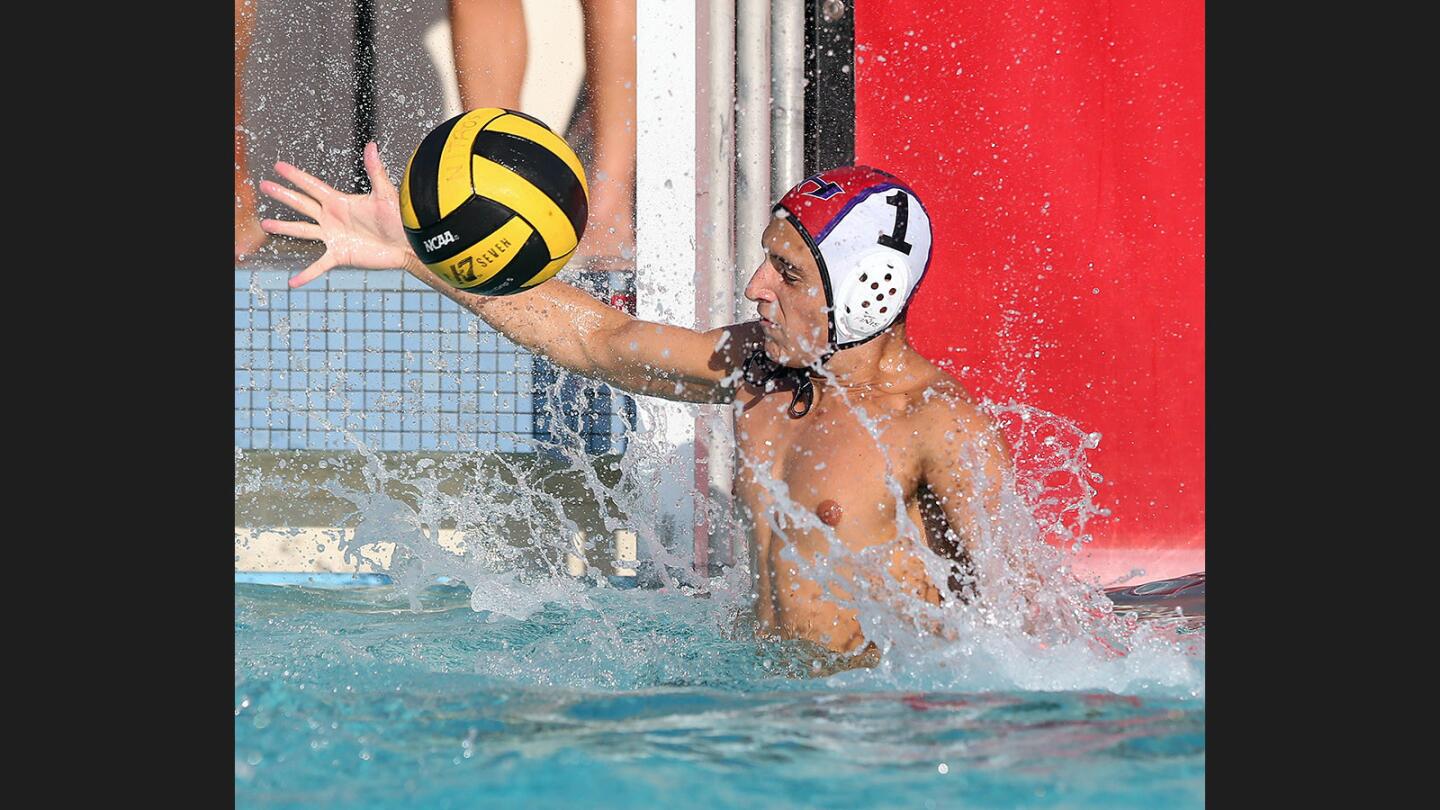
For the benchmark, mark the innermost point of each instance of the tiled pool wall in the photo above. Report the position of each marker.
(383, 357)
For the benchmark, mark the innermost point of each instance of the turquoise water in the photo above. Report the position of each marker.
(352, 698)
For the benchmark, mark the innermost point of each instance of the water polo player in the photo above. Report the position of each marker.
(835, 410)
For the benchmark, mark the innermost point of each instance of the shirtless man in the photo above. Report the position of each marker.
(827, 356)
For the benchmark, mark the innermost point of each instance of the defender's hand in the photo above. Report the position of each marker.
(359, 230)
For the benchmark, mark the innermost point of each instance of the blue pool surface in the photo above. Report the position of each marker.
(349, 697)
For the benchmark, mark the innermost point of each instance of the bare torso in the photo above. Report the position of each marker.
(833, 469)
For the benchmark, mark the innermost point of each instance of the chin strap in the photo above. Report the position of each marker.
(761, 371)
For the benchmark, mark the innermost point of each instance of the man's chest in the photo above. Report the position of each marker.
(841, 464)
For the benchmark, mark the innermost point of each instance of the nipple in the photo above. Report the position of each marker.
(829, 512)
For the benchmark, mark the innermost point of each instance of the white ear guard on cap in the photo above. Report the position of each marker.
(874, 255)
(870, 295)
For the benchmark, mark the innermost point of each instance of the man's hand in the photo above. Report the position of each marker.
(553, 319)
(359, 230)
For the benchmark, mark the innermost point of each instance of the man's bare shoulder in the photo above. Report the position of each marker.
(739, 340)
(941, 405)
(735, 345)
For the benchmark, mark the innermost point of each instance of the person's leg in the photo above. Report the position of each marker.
(488, 37)
(248, 236)
(610, 79)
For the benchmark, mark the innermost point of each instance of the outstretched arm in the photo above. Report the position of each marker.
(553, 319)
(577, 332)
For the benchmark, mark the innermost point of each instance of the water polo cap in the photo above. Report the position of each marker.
(870, 235)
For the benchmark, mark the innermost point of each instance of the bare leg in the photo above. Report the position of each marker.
(248, 236)
(490, 51)
(610, 77)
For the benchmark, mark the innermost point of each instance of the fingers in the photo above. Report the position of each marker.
(289, 196)
(313, 272)
(306, 182)
(375, 169)
(300, 230)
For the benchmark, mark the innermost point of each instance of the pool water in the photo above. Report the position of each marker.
(626, 698)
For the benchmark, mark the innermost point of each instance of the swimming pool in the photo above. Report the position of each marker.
(602, 697)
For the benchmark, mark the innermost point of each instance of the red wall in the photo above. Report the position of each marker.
(1059, 148)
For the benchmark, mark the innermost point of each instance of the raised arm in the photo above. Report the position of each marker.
(553, 319)
(575, 331)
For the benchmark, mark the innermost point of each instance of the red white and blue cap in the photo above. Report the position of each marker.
(870, 235)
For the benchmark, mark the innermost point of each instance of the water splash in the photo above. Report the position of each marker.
(1034, 626)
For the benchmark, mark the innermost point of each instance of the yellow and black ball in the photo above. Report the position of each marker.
(493, 201)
